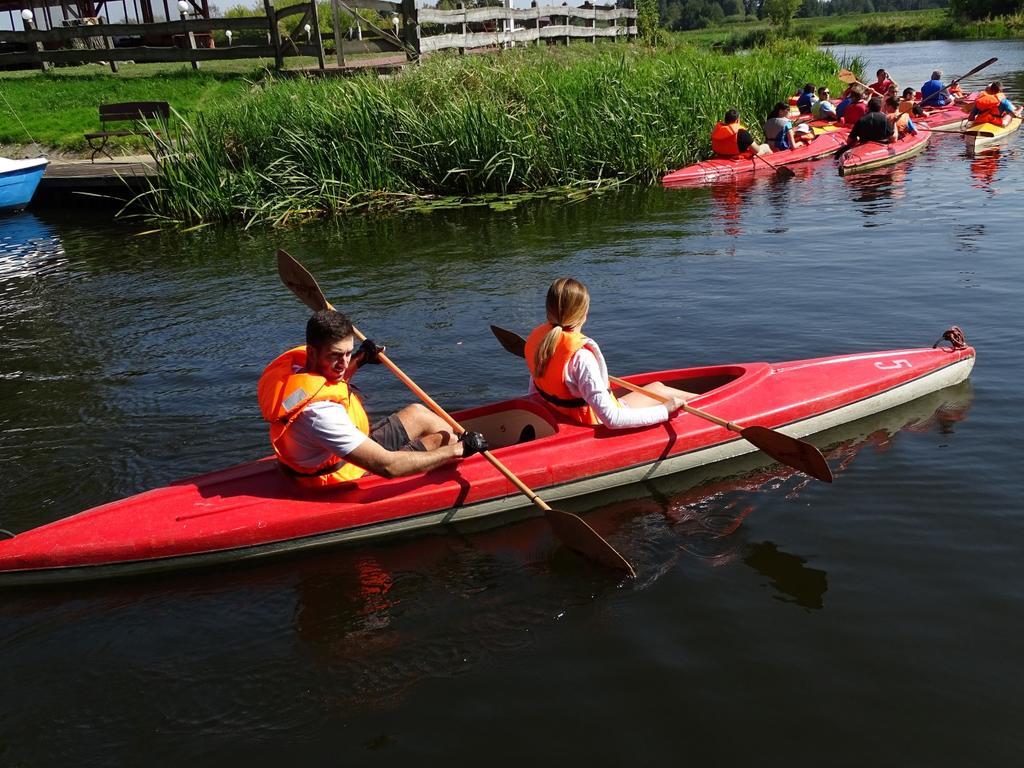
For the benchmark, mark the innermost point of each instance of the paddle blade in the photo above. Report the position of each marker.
(300, 282)
(512, 342)
(573, 531)
(796, 453)
(978, 68)
(847, 76)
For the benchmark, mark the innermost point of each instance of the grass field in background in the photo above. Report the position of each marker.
(861, 29)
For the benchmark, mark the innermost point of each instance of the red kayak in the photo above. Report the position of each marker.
(720, 169)
(253, 510)
(875, 154)
(949, 115)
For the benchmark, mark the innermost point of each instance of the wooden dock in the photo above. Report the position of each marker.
(114, 181)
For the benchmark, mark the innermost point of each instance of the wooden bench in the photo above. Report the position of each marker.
(134, 111)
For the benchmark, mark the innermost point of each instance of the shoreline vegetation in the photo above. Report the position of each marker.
(740, 33)
(520, 121)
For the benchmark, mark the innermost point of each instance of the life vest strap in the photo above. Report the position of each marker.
(562, 402)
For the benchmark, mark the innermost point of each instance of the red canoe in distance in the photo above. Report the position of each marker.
(949, 116)
(253, 510)
(721, 169)
(874, 154)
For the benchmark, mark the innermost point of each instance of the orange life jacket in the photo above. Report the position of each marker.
(551, 386)
(987, 105)
(900, 122)
(725, 139)
(284, 390)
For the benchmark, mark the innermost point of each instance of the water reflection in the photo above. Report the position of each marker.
(28, 247)
(984, 167)
(876, 191)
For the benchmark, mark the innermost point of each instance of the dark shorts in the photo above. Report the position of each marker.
(390, 434)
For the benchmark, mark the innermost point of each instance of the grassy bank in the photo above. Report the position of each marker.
(516, 121)
(58, 107)
(861, 29)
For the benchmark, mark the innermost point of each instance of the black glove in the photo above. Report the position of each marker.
(369, 353)
(472, 442)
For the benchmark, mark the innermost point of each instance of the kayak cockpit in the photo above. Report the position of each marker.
(511, 423)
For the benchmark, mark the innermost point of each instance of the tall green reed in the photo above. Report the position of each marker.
(516, 121)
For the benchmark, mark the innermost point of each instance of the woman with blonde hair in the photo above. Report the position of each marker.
(569, 371)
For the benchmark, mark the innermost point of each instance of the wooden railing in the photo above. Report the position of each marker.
(415, 33)
(549, 22)
(44, 48)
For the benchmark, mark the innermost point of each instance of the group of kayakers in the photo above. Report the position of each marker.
(322, 435)
(873, 113)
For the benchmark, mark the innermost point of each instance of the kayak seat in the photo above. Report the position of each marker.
(522, 421)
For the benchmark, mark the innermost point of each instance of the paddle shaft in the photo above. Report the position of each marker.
(688, 408)
(458, 428)
(780, 170)
(853, 80)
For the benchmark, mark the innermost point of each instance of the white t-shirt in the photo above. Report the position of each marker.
(321, 430)
(586, 377)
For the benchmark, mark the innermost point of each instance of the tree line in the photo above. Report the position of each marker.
(697, 14)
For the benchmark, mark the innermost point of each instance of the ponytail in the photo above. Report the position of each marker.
(546, 350)
(567, 304)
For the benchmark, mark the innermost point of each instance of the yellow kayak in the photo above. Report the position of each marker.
(980, 134)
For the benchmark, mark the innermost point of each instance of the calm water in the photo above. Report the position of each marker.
(876, 621)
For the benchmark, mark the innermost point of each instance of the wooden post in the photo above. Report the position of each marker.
(535, 5)
(30, 25)
(316, 31)
(190, 37)
(108, 43)
(593, 25)
(411, 29)
(462, 7)
(336, 18)
(275, 33)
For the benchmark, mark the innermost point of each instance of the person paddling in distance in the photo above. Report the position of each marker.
(908, 103)
(856, 109)
(730, 138)
(873, 126)
(806, 101)
(882, 83)
(568, 370)
(934, 94)
(823, 108)
(901, 120)
(778, 129)
(320, 430)
(993, 107)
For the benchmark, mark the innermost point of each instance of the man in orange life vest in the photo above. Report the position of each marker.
(731, 138)
(319, 429)
(993, 107)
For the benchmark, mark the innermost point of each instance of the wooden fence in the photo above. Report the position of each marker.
(402, 28)
(524, 25)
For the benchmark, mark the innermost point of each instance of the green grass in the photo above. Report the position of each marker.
(58, 107)
(862, 28)
(519, 121)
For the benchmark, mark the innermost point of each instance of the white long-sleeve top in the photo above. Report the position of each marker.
(586, 377)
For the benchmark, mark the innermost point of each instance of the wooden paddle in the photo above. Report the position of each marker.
(571, 529)
(796, 453)
(850, 79)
